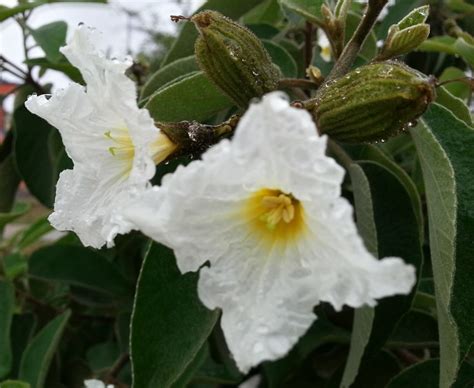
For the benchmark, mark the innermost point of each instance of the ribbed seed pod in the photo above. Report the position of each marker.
(373, 102)
(233, 58)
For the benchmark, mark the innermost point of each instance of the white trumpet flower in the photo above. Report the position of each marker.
(265, 210)
(324, 46)
(114, 145)
(96, 384)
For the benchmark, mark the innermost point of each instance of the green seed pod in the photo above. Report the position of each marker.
(233, 58)
(373, 102)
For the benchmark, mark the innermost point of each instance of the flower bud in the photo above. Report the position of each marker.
(407, 34)
(373, 102)
(233, 58)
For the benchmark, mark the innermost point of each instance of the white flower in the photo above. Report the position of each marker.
(252, 382)
(324, 46)
(96, 384)
(265, 210)
(114, 145)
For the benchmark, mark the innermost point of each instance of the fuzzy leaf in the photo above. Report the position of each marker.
(169, 323)
(78, 266)
(444, 146)
(381, 196)
(37, 357)
(308, 9)
(169, 73)
(7, 305)
(192, 98)
(50, 38)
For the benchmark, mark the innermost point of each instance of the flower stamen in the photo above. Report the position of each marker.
(275, 216)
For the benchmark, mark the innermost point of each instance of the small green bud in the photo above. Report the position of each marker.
(233, 58)
(407, 34)
(373, 102)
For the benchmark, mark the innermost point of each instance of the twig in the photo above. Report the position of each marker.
(406, 356)
(117, 367)
(178, 18)
(12, 72)
(308, 44)
(351, 50)
(466, 80)
(10, 63)
(24, 29)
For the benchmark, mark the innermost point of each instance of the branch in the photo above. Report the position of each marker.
(350, 52)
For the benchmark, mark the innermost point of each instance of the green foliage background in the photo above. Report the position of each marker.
(68, 313)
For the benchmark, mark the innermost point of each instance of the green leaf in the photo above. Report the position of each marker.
(375, 154)
(416, 327)
(14, 265)
(268, 12)
(383, 367)
(184, 44)
(38, 355)
(403, 41)
(396, 12)
(454, 104)
(198, 361)
(22, 329)
(321, 332)
(297, 54)
(386, 216)
(193, 98)
(417, 16)
(444, 146)
(102, 356)
(458, 89)
(6, 12)
(18, 210)
(465, 50)
(50, 38)
(9, 177)
(14, 384)
(9, 181)
(33, 233)
(425, 375)
(443, 44)
(62, 66)
(282, 59)
(78, 266)
(308, 9)
(169, 73)
(264, 31)
(450, 45)
(169, 323)
(39, 154)
(460, 6)
(7, 306)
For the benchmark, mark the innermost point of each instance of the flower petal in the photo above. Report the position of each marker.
(267, 287)
(106, 135)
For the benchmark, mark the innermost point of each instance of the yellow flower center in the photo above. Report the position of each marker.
(123, 147)
(124, 150)
(275, 216)
(162, 148)
(326, 53)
